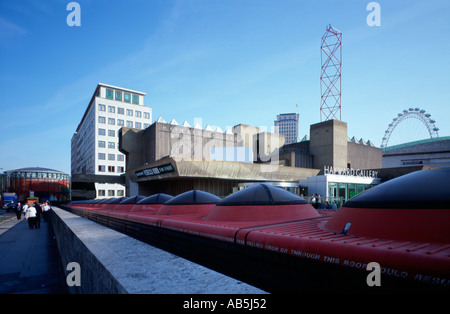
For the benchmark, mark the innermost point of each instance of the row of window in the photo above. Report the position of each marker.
(120, 122)
(111, 133)
(112, 109)
(102, 144)
(111, 193)
(122, 96)
(40, 175)
(102, 156)
(111, 169)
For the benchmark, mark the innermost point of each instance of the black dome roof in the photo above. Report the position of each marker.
(159, 198)
(194, 197)
(262, 194)
(132, 200)
(116, 200)
(419, 189)
(104, 200)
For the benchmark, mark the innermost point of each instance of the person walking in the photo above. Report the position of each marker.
(25, 210)
(38, 215)
(31, 216)
(45, 211)
(19, 211)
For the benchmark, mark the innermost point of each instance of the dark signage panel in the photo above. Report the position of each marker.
(156, 170)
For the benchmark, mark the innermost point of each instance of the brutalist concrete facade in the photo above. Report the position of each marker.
(329, 147)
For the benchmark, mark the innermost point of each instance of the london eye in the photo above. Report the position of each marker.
(410, 125)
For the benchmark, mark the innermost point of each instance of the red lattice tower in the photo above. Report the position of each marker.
(330, 76)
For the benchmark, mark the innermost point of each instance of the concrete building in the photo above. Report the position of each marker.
(169, 158)
(42, 184)
(433, 152)
(172, 158)
(96, 162)
(287, 125)
(344, 165)
(329, 146)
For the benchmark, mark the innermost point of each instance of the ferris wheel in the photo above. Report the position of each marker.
(410, 131)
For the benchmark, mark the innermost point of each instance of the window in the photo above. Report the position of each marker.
(342, 191)
(120, 157)
(127, 97)
(120, 110)
(111, 109)
(111, 169)
(101, 156)
(110, 192)
(101, 107)
(138, 125)
(111, 121)
(120, 169)
(101, 168)
(109, 93)
(138, 114)
(111, 133)
(120, 122)
(129, 124)
(111, 145)
(118, 95)
(120, 193)
(351, 190)
(101, 131)
(129, 112)
(146, 115)
(101, 119)
(101, 192)
(101, 143)
(111, 157)
(136, 99)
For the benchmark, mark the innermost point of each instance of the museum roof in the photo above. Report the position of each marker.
(419, 142)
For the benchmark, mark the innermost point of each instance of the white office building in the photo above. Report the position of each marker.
(95, 145)
(287, 125)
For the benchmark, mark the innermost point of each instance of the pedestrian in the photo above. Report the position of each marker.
(31, 217)
(38, 214)
(25, 211)
(19, 211)
(45, 211)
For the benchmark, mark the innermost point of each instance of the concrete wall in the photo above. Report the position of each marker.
(364, 157)
(111, 262)
(328, 144)
(131, 144)
(162, 139)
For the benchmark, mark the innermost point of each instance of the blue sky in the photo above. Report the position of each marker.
(225, 61)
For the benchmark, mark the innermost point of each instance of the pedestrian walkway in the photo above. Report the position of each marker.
(7, 220)
(29, 258)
